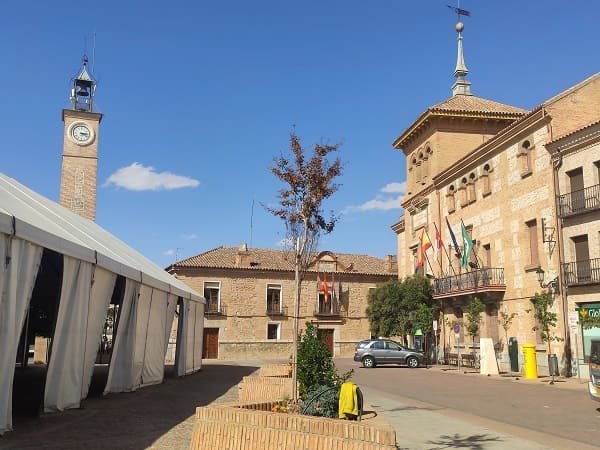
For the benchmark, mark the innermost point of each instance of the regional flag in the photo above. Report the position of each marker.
(467, 246)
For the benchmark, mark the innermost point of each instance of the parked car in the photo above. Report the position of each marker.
(594, 383)
(373, 352)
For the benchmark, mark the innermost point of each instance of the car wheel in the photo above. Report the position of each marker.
(412, 362)
(368, 362)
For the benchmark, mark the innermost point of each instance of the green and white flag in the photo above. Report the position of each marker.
(467, 246)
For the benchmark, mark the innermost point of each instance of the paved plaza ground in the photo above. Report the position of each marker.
(161, 416)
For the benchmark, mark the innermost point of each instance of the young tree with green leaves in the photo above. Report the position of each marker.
(315, 365)
(474, 310)
(546, 319)
(506, 321)
(307, 184)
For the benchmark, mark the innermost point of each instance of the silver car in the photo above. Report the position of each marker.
(372, 352)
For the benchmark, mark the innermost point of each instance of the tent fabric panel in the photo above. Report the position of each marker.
(198, 336)
(155, 282)
(64, 379)
(141, 332)
(6, 222)
(120, 372)
(102, 289)
(41, 237)
(171, 306)
(190, 338)
(118, 267)
(17, 280)
(181, 346)
(154, 354)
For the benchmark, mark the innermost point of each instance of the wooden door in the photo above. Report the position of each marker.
(327, 337)
(210, 343)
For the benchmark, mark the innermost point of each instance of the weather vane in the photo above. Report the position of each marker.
(460, 12)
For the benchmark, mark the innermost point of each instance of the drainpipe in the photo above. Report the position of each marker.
(556, 161)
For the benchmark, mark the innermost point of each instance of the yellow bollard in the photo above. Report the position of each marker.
(530, 361)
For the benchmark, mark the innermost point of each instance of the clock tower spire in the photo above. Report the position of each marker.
(80, 148)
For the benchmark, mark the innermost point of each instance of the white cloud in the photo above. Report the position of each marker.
(382, 201)
(137, 177)
(394, 188)
(190, 236)
(169, 252)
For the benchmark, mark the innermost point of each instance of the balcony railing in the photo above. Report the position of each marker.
(275, 309)
(578, 202)
(213, 309)
(480, 279)
(329, 309)
(581, 272)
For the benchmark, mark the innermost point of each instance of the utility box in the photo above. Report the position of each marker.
(553, 365)
(513, 354)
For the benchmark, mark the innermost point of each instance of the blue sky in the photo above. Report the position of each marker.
(199, 97)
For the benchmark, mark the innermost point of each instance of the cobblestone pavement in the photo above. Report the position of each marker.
(156, 417)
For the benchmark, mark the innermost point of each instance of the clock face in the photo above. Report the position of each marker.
(81, 133)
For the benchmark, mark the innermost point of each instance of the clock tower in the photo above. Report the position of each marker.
(80, 148)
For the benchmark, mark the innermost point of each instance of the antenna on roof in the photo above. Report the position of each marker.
(251, 220)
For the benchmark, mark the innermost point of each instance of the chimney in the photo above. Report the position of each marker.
(242, 259)
(391, 265)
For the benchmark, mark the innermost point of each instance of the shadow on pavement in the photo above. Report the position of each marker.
(131, 420)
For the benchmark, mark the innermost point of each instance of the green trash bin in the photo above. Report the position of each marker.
(513, 354)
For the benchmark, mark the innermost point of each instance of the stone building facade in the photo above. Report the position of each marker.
(489, 169)
(250, 299)
(577, 236)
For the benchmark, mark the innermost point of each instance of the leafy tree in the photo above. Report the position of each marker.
(383, 309)
(398, 308)
(506, 321)
(546, 319)
(474, 310)
(315, 365)
(307, 184)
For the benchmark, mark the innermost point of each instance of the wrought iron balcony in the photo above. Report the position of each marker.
(212, 308)
(580, 273)
(275, 309)
(486, 279)
(329, 309)
(578, 202)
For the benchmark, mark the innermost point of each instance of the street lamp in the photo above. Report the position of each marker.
(552, 284)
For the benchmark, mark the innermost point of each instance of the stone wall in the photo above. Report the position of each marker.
(253, 426)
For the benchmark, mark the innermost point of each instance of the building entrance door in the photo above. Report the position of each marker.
(210, 343)
(327, 337)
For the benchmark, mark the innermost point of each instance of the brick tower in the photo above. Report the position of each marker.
(80, 148)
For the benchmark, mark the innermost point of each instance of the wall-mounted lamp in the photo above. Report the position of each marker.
(552, 284)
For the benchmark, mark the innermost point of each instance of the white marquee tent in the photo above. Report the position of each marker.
(92, 260)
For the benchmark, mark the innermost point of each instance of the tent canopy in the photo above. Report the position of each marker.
(32, 217)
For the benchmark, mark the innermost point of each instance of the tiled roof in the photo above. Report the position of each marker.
(461, 105)
(281, 260)
(473, 104)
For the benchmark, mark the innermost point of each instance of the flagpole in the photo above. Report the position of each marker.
(446, 252)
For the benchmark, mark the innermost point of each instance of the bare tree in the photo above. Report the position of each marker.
(307, 184)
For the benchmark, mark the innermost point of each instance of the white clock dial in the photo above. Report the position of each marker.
(81, 133)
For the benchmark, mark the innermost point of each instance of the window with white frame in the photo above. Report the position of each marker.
(273, 298)
(273, 331)
(212, 294)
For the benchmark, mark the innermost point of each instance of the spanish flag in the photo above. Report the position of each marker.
(424, 245)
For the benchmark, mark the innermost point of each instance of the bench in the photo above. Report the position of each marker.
(466, 360)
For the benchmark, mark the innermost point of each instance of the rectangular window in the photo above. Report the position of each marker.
(273, 298)
(532, 232)
(273, 331)
(212, 291)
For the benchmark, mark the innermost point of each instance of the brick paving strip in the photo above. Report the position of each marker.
(156, 417)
